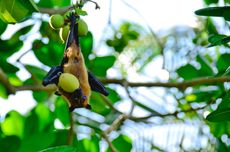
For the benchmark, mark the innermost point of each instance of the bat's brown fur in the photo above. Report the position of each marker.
(76, 66)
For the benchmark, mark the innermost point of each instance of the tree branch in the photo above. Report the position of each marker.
(180, 85)
(48, 88)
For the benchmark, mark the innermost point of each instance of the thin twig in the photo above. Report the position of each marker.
(112, 148)
(51, 11)
(71, 129)
(116, 123)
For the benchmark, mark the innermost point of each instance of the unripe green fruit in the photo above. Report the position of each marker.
(56, 21)
(63, 33)
(68, 82)
(82, 28)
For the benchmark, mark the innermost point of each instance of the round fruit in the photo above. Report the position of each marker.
(68, 82)
(56, 21)
(63, 33)
(82, 28)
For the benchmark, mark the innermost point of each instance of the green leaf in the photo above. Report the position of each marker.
(60, 149)
(3, 92)
(13, 124)
(113, 95)
(54, 3)
(89, 145)
(86, 44)
(220, 128)
(45, 116)
(62, 111)
(212, 11)
(122, 143)
(61, 137)
(37, 142)
(7, 67)
(40, 96)
(188, 72)
(37, 73)
(98, 105)
(216, 39)
(10, 144)
(13, 11)
(100, 65)
(208, 2)
(219, 115)
(202, 96)
(205, 69)
(2, 27)
(225, 103)
(31, 125)
(9, 47)
(223, 62)
(49, 54)
(80, 12)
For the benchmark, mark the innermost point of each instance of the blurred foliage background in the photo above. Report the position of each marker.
(185, 108)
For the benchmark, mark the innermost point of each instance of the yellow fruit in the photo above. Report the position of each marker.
(68, 82)
(63, 33)
(82, 28)
(56, 21)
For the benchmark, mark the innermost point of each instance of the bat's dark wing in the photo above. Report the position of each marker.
(96, 85)
(52, 76)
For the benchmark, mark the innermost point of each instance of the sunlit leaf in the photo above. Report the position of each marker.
(13, 11)
(13, 124)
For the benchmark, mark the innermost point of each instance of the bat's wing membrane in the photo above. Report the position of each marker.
(96, 85)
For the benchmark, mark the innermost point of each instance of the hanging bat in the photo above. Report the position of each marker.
(73, 62)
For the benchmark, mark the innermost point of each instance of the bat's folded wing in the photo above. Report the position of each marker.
(96, 85)
(52, 76)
